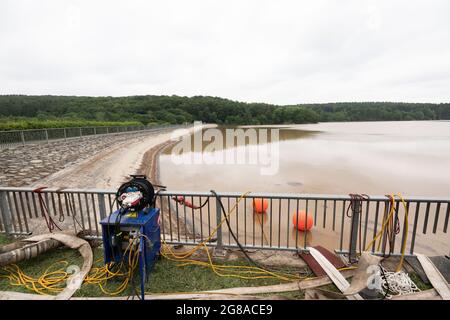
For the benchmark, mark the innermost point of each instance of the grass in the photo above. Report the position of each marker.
(419, 283)
(166, 277)
(4, 239)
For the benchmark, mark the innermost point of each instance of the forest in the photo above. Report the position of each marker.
(29, 112)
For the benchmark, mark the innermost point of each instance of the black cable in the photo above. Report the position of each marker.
(231, 231)
(392, 228)
(121, 213)
(109, 235)
(157, 194)
(256, 264)
(356, 202)
(72, 211)
(133, 285)
(108, 228)
(182, 202)
(385, 279)
(236, 239)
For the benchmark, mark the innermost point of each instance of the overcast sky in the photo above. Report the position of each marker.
(277, 51)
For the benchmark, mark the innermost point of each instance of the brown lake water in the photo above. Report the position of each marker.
(375, 158)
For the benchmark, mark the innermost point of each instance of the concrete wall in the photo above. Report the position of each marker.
(22, 166)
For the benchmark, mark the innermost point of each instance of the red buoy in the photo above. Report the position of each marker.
(260, 205)
(301, 222)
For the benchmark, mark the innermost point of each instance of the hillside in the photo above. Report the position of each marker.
(68, 110)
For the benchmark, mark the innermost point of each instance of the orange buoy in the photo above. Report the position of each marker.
(304, 223)
(260, 205)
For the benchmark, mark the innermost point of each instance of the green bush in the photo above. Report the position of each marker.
(32, 123)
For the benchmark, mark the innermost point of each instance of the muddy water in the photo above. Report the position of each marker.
(376, 158)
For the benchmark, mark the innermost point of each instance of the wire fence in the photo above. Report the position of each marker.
(191, 218)
(23, 137)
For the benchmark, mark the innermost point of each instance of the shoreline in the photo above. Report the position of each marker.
(150, 165)
(150, 162)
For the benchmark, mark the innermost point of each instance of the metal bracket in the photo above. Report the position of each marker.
(219, 252)
(302, 250)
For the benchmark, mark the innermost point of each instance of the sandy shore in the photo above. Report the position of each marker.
(111, 168)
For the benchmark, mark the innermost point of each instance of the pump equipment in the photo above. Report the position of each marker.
(131, 234)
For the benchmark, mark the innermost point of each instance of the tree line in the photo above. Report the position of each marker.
(149, 109)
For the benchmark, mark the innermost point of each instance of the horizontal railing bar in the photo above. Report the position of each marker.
(57, 190)
(17, 233)
(214, 244)
(299, 196)
(14, 138)
(97, 127)
(14, 216)
(381, 254)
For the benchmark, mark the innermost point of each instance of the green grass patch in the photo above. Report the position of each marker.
(167, 276)
(419, 283)
(4, 239)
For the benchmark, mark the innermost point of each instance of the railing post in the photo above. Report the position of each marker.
(101, 205)
(6, 213)
(81, 132)
(65, 135)
(46, 135)
(95, 131)
(22, 136)
(219, 245)
(354, 232)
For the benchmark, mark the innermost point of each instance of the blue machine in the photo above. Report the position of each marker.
(120, 228)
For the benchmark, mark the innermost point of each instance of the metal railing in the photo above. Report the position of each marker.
(428, 219)
(23, 137)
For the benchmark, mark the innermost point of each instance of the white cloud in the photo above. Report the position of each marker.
(269, 51)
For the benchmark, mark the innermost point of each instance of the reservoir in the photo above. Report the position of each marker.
(411, 158)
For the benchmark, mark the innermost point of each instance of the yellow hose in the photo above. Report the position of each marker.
(388, 220)
(258, 273)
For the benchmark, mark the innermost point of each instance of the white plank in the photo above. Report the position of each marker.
(436, 278)
(333, 273)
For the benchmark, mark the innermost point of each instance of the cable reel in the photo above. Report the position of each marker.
(136, 194)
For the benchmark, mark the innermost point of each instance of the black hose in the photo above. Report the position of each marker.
(232, 233)
(256, 264)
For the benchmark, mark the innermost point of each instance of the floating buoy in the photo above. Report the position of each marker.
(260, 205)
(304, 223)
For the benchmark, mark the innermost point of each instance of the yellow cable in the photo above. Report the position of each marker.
(169, 254)
(387, 221)
(51, 281)
(189, 252)
(405, 226)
